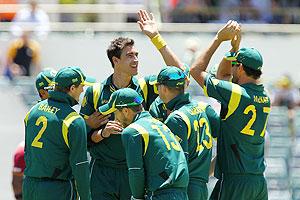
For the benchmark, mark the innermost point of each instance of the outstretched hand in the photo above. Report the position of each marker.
(229, 31)
(236, 40)
(147, 23)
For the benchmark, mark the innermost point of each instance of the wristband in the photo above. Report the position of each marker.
(102, 135)
(158, 41)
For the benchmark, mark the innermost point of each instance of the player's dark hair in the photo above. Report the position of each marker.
(116, 47)
(252, 72)
(64, 89)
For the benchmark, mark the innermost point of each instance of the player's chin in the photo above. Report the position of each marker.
(134, 71)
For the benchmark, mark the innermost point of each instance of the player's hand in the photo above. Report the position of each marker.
(112, 127)
(96, 120)
(147, 23)
(229, 31)
(235, 42)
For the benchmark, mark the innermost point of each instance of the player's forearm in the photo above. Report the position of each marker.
(97, 136)
(199, 66)
(137, 182)
(17, 182)
(224, 70)
(170, 57)
(166, 52)
(202, 61)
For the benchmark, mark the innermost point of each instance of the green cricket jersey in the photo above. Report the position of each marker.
(158, 110)
(194, 129)
(244, 113)
(55, 142)
(110, 150)
(154, 157)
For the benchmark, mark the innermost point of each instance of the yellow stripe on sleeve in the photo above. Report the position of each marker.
(205, 90)
(66, 124)
(186, 120)
(144, 134)
(26, 118)
(234, 99)
(144, 88)
(96, 94)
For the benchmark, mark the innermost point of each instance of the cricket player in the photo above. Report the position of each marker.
(156, 163)
(109, 176)
(43, 80)
(245, 107)
(55, 143)
(190, 123)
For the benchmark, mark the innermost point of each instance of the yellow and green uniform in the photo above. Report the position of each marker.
(156, 163)
(109, 177)
(189, 121)
(240, 144)
(55, 151)
(158, 110)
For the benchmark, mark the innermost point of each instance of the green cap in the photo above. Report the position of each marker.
(68, 76)
(125, 97)
(249, 57)
(45, 79)
(169, 76)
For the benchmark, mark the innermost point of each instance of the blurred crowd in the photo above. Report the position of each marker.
(183, 11)
(246, 11)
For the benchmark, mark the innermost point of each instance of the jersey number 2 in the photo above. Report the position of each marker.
(247, 129)
(36, 142)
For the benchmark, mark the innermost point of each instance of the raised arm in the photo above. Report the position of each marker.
(149, 27)
(224, 71)
(199, 66)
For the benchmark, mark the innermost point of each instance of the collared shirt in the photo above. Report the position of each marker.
(55, 142)
(244, 112)
(194, 129)
(110, 150)
(154, 158)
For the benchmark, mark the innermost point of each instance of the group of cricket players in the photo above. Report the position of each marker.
(146, 137)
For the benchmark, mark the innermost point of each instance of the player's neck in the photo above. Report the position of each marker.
(121, 80)
(246, 79)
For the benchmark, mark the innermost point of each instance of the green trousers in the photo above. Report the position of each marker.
(109, 183)
(48, 189)
(197, 190)
(240, 187)
(168, 194)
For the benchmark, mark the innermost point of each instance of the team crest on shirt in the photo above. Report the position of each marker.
(104, 101)
(215, 81)
(84, 102)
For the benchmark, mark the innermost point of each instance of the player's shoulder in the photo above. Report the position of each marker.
(72, 118)
(132, 130)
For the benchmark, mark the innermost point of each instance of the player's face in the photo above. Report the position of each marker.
(124, 116)
(161, 92)
(128, 61)
(235, 74)
(76, 91)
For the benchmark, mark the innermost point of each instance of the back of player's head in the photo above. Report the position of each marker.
(68, 76)
(116, 46)
(172, 77)
(45, 78)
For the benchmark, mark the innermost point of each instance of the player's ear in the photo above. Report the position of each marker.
(115, 60)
